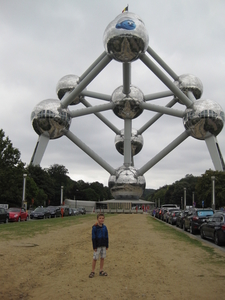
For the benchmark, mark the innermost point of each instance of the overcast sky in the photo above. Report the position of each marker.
(42, 41)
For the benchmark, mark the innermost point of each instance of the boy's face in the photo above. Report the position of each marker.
(101, 220)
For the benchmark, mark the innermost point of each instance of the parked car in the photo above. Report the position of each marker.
(166, 213)
(75, 212)
(16, 214)
(3, 215)
(71, 212)
(160, 214)
(169, 205)
(195, 218)
(65, 210)
(54, 211)
(82, 210)
(214, 228)
(163, 211)
(172, 218)
(157, 212)
(40, 213)
(180, 218)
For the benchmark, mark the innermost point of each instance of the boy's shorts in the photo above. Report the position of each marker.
(100, 251)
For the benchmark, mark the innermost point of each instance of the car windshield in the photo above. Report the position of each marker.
(51, 208)
(205, 213)
(39, 209)
(14, 209)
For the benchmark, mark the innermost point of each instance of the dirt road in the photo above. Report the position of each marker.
(141, 263)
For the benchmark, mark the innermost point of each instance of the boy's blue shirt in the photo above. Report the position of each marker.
(100, 236)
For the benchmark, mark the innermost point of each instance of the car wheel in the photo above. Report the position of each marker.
(192, 231)
(216, 239)
(184, 228)
(202, 234)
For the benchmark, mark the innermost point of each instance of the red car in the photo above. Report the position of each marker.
(17, 214)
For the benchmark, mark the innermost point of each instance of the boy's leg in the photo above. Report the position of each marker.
(93, 265)
(101, 264)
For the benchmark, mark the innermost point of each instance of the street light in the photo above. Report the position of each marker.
(193, 199)
(184, 198)
(61, 194)
(24, 188)
(213, 192)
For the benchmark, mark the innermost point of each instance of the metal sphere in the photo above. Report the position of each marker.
(126, 184)
(126, 37)
(136, 142)
(127, 106)
(50, 119)
(67, 84)
(190, 83)
(204, 118)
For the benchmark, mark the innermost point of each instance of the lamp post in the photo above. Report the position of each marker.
(76, 196)
(193, 199)
(24, 188)
(184, 198)
(213, 192)
(62, 195)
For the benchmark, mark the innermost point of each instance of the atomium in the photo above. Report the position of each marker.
(126, 183)
(67, 84)
(49, 119)
(190, 83)
(204, 118)
(127, 106)
(136, 142)
(126, 40)
(126, 37)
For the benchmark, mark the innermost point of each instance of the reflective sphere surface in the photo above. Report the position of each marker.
(50, 119)
(126, 37)
(189, 82)
(204, 118)
(67, 84)
(136, 142)
(127, 106)
(126, 184)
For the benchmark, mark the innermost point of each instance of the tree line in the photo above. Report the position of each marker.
(43, 186)
(198, 189)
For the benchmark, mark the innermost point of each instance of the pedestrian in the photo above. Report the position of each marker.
(100, 242)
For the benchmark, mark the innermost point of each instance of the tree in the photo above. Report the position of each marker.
(91, 195)
(204, 189)
(58, 174)
(11, 172)
(42, 180)
(158, 194)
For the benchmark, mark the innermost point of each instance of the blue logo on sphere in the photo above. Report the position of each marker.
(128, 25)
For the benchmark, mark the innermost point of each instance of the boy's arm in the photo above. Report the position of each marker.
(107, 239)
(94, 238)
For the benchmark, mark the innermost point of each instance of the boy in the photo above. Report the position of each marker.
(100, 243)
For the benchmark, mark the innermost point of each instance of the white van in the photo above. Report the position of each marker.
(170, 206)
